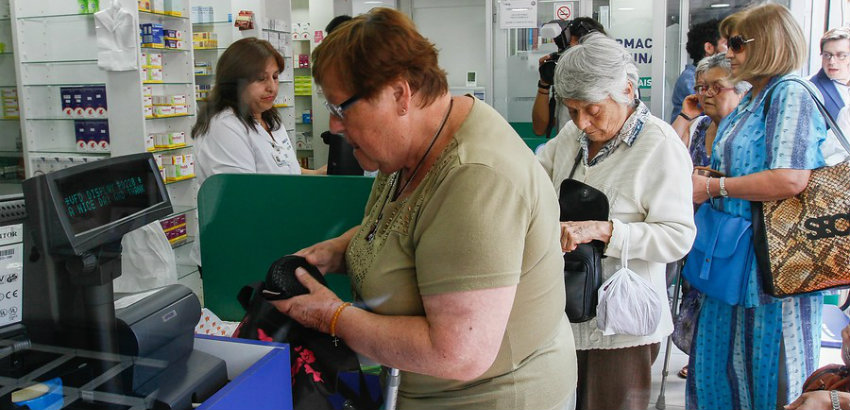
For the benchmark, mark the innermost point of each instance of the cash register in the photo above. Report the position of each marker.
(137, 356)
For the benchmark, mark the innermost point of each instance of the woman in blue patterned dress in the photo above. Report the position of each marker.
(757, 355)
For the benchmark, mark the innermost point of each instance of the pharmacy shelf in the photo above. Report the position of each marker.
(179, 181)
(65, 85)
(161, 16)
(165, 49)
(68, 61)
(178, 210)
(172, 149)
(68, 151)
(170, 117)
(211, 23)
(87, 16)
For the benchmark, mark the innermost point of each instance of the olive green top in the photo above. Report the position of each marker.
(485, 216)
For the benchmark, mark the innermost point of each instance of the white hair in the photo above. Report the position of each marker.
(595, 69)
(720, 61)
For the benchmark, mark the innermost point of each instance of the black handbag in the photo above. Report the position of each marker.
(582, 266)
(317, 360)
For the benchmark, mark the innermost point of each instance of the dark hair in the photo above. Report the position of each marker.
(698, 35)
(375, 48)
(237, 67)
(582, 26)
(336, 21)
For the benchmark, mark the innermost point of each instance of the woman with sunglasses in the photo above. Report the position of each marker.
(456, 266)
(716, 96)
(238, 130)
(756, 354)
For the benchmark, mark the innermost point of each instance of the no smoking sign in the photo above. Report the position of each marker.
(563, 12)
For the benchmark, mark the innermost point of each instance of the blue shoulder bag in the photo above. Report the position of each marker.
(720, 259)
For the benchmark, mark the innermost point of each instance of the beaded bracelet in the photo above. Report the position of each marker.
(335, 318)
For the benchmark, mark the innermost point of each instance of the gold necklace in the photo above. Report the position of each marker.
(392, 191)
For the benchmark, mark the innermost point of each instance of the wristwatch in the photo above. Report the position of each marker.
(540, 85)
(723, 191)
(685, 116)
(833, 396)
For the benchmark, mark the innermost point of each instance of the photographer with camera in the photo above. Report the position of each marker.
(547, 112)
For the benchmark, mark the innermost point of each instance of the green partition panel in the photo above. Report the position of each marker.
(524, 129)
(248, 221)
(533, 143)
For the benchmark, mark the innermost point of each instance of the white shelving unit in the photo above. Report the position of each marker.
(56, 46)
(221, 24)
(10, 127)
(129, 129)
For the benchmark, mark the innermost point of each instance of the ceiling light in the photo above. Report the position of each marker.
(719, 5)
(626, 8)
(522, 9)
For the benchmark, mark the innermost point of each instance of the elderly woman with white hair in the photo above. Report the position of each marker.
(643, 168)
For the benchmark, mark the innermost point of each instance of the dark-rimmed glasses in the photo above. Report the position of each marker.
(826, 56)
(737, 43)
(715, 89)
(337, 110)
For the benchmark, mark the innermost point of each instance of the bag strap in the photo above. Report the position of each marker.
(575, 165)
(553, 107)
(830, 122)
(247, 293)
(624, 256)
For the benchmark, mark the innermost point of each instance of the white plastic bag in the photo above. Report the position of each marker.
(628, 305)
(147, 260)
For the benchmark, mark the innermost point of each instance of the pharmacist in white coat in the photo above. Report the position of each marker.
(643, 168)
(238, 130)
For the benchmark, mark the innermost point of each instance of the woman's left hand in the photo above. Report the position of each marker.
(315, 309)
(575, 233)
(814, 400)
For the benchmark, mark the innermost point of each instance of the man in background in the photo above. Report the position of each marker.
(703, 41)
(833, 78)
(547, 112)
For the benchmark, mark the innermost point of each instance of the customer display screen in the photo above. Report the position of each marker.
(104, 195)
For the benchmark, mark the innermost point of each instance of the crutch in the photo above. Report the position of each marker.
(660, 404)
(393, 380)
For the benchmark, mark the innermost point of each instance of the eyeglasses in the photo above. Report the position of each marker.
(737, 43)
(838, 56)
(337, 110)
(715, 89)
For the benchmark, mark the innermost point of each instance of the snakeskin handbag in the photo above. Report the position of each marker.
(802, 243)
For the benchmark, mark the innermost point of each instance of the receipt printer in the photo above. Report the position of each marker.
(158, 328)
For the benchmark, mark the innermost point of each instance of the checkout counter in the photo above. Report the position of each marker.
(83, 350)
(66, 342)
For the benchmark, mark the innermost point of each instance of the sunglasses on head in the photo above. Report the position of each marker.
(737, 43)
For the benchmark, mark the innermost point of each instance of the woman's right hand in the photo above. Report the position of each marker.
(690, 106)
(327, 256)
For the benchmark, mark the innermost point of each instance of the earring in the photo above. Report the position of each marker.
(404, 111)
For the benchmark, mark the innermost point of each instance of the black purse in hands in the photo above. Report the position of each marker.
(582, 266)
(316, 358)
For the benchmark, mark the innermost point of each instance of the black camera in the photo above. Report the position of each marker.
(547, 69)
(561, 32)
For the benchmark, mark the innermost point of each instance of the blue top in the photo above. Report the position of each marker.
(699, 155)
(747, 142)
(683, 88)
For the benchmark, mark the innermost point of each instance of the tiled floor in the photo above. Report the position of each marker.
(674, 387)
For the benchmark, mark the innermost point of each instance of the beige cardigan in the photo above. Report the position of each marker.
(649, 188)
